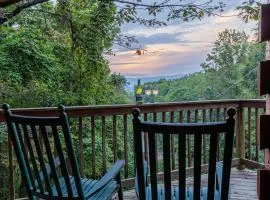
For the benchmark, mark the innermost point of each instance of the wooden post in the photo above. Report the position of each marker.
(267, 110)
(264, 174)
(240, 135)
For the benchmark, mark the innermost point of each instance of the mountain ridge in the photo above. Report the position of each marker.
(132, 81)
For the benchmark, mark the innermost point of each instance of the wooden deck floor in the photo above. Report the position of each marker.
(243, 185)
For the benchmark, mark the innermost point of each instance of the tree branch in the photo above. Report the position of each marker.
(19, 9)
(162, 5)
(5, 3)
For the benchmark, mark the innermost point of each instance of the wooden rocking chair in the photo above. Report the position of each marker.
(53, 180)
(218, 172)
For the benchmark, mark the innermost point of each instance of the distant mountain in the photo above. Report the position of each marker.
(134, 80)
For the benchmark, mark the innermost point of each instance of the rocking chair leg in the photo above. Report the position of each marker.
(120, 191)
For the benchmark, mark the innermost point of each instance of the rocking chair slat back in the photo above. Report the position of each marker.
(183, 131)
(153, 163)
(28, 146)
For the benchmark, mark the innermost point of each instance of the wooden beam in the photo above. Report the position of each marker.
(263, 77)
(263, 180)
(264, 136)
(108, 110)
(264, 23)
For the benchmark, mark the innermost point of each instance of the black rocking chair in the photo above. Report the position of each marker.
(48, 175)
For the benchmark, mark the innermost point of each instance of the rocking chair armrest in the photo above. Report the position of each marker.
(108, 177)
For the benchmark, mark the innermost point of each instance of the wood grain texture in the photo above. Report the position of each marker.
(109, 110)
(243, 185)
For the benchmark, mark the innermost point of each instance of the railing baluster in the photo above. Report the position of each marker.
(218, 143)
(80, 150)
(154, 117)
(163, 117)
(204, 137)
(196, 116)
(224, 114)
(211, 114)
(126, 146)
(104, 155)
(249, 133)
(257, 133)
(114, 139)
(180, 120)
(218, 114)
(93, 136)
(240, 134)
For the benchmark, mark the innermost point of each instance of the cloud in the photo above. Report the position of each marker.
(175, 49)
(148, 32)
(166, 59)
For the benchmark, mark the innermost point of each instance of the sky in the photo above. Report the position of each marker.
(178, 48)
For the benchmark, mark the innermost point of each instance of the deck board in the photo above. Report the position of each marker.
(243, 185)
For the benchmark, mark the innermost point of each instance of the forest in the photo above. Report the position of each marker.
(55, 52)
(229, 72)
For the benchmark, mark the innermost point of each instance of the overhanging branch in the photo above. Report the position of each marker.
(4, 3)
(19, 9)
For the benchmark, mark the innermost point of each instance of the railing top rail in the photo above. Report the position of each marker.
(105, 110)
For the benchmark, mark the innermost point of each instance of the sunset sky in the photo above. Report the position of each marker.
(178, 48)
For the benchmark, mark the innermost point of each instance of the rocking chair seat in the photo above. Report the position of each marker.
(88, 185)
(175, 190)
(175, 193)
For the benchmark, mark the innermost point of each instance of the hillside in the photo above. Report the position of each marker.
(132, 81)
(229, 72)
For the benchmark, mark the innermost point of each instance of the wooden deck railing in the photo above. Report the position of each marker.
(103, 134)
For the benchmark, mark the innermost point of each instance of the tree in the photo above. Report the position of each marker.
(229, 72)
(128, 9)
(29, 62)
(89, 28)
(223, 64)
(249, 10)
(59, 59)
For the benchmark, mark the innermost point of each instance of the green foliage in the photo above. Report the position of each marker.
(55, 54)
(156, 10)
(48, 58)
(249, 10)
(229, 72)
